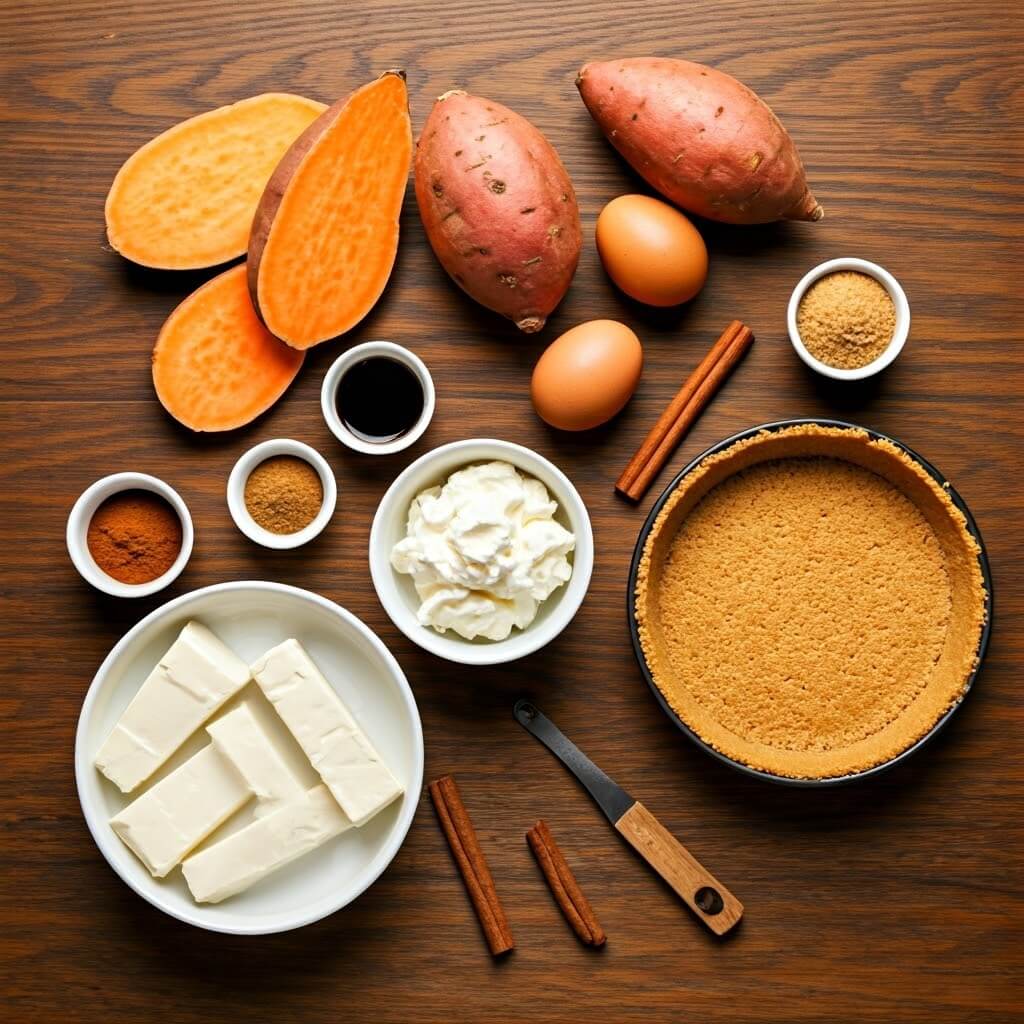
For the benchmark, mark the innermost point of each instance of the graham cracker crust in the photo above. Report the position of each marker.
(810, 601)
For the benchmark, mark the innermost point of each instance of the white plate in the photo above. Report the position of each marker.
(250, 618)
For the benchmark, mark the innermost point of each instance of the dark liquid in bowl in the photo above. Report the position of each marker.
(379, 399)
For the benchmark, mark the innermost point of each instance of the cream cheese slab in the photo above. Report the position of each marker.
(325, 729)
(244, 743)
(269, 843)
(181, 810)
(192, 680)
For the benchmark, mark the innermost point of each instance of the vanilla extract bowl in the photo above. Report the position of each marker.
(378, 398)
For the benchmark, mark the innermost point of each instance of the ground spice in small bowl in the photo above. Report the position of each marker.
(284, 494)
(134, 536)
(846, 319)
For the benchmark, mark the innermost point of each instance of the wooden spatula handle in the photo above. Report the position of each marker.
(696, 886)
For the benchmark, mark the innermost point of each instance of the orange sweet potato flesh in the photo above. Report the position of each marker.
(701, 138)
(498, 207)
(215, 366)
(186, 199)
(325, 234)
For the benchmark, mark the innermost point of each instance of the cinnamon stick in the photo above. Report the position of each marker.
(675, 407)
(688, 403)
(564, 887)
(469, 858)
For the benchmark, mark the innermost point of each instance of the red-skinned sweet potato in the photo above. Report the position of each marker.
(701, 138)
(498, 207)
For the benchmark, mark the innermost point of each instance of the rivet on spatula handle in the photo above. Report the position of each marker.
(716, 907)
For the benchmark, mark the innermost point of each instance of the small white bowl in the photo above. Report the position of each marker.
(329, 392)
(78, 530)
(398, 594)
(899, 334)
(236, 493)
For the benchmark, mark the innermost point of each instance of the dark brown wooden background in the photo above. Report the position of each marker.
(896, 900)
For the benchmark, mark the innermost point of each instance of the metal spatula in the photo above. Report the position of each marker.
(713, 904)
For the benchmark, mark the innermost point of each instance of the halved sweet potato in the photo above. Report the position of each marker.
(325, 234)
(215, 366)
(186, 199)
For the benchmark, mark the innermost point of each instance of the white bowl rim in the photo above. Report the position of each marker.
(887, 281)
(236, 493)
(332, 379)
(84, 509)
(522, 642)
(104, 836)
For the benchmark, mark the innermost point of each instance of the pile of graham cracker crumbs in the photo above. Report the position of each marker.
(846, 319)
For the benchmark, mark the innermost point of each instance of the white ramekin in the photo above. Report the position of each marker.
(236, 493)
(899, 334)
(329, 392)
(397, 593)
(78, 530)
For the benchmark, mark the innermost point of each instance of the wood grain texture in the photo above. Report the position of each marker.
(896, 900)
(711, 902)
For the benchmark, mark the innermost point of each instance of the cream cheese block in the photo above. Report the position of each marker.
(269, 843)
(244, 743)
(192, 680)
(325, 729)
(181, 810)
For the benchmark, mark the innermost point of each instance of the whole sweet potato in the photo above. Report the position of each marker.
(498, 207)
(701, 138)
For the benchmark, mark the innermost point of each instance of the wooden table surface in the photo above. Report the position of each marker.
(895, 900)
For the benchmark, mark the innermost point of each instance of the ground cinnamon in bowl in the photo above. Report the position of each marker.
(284, 494)
(134, 536)
(846, 319)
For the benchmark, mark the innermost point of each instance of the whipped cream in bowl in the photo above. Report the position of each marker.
(481, 551)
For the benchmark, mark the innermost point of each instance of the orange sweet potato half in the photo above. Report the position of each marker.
(325, 234)
(215, 366)
(186, 199)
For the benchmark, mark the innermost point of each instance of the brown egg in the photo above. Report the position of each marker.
(587, 375)
(651, 251)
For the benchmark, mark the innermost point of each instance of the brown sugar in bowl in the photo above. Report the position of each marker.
(810, 601)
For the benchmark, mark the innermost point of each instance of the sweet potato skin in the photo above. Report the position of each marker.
(703, 139)
(498, 207)
(273, 196)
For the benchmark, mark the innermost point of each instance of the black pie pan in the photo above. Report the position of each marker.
(634, 632)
